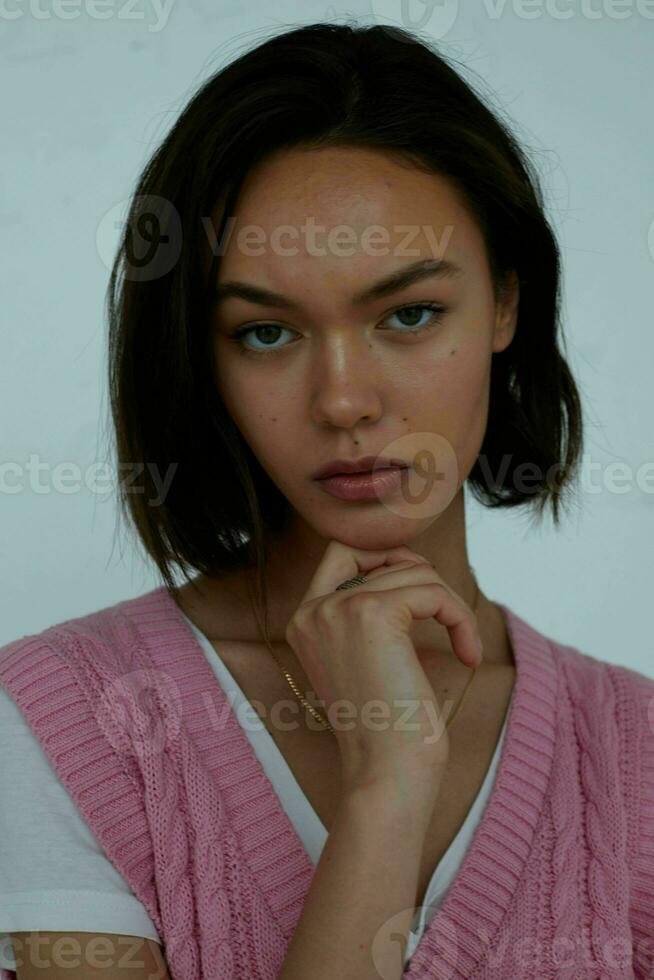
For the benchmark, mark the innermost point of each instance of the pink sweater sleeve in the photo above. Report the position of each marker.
(642, 890)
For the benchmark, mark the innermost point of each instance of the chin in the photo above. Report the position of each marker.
(370, 532)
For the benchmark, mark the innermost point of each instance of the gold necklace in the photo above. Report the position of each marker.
(321, 718)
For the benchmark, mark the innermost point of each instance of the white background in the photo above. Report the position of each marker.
(85, 103)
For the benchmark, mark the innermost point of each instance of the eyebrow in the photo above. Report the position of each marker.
(416, 272)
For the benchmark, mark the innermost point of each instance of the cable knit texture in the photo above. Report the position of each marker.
(558, 881)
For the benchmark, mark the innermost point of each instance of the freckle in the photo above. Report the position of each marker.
(273, 420)
(453, 351)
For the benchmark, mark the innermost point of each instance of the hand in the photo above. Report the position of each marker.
(354, 645)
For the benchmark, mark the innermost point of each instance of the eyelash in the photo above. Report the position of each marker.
(437, 308)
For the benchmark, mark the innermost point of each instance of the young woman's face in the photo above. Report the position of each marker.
(322, 375)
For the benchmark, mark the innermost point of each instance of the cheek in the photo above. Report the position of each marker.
(459, 382)
(458, 405)
(265, 430)
(241, 397)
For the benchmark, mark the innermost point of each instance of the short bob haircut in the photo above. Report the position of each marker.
(322, 85)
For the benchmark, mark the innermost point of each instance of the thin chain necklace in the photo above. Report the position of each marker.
(321, 718)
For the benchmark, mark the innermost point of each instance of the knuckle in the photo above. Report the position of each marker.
(366, 604)
(445, 592)
(298, 622)
(291, 631)
(324, 610)
(356, 600)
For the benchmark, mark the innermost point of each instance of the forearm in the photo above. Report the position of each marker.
(367, 875)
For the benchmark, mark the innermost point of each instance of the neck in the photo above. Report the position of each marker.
(293, 559)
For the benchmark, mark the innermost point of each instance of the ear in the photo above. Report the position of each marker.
(506, 312)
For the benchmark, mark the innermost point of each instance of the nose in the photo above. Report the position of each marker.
(346, 388)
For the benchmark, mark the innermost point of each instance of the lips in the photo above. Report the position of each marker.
(373, 485)
(378, 469)
(367, 464)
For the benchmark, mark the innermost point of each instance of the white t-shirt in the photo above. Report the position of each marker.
(54, 875)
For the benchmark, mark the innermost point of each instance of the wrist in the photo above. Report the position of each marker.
(393, 802)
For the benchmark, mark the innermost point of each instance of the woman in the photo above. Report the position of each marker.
(348, 269)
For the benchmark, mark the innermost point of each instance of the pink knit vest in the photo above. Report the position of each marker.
(558, 880)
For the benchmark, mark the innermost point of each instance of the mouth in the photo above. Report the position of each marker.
(367, 464)
(379, 469)
(364, 485)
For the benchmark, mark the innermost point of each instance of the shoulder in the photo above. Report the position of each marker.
(112, 626)
(607, 696)
(602, 684)
(82, 664)
(613, 724)
(607, 711)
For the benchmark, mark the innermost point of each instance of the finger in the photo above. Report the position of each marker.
(387, 569)
(427, 600)
(341, 562)
(423, 569)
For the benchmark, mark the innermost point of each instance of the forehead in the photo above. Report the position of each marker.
(350, 212)
(340, 181)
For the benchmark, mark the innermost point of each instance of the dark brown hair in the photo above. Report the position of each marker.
(321, 85)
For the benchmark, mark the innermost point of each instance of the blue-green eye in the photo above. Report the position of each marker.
(436, 311)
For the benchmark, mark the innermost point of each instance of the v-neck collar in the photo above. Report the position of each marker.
(464, 926)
